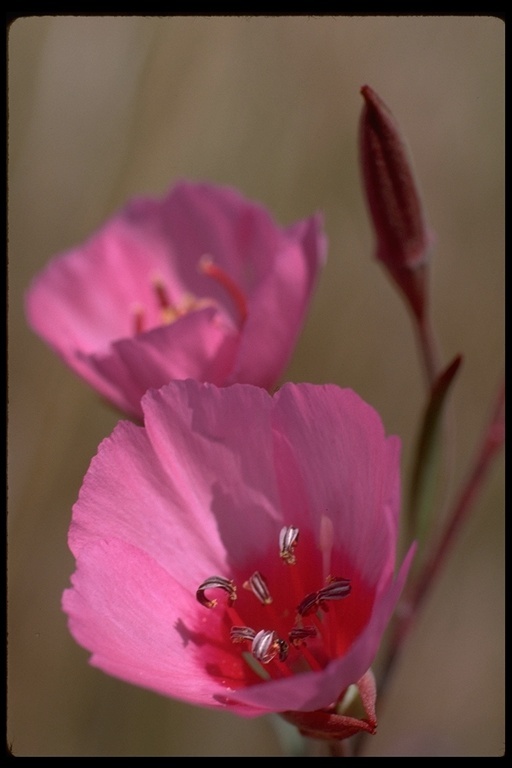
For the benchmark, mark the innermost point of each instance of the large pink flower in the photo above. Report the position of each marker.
(238, 550)
(200, 284)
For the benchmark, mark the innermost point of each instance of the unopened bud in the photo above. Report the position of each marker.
(404, 239)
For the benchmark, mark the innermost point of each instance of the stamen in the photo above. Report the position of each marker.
(169, 312)
(298, 635)
(212, 583)
(309, 604)
(335, 590)
(258, 587)
(269, 652)
(266, 645)
(208, 267)
(288, 538)
(241, 634)
(161, 294)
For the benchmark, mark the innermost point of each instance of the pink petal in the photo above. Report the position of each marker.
(141, 626)
(278, 306)
(85, 297)
(198, 345)
(190, 482)
(333, 457)
(222, 440)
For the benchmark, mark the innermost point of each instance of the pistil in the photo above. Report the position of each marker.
(208, 267)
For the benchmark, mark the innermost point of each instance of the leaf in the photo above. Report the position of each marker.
(426, 470)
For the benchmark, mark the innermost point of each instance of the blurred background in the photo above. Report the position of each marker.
(105, 108)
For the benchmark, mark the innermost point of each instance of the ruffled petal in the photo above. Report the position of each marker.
(216, 444)
(141, 626)
(128, 494)
(199, 478)
(198, 345)
(334, 459)
(85, 298)
(279, 303)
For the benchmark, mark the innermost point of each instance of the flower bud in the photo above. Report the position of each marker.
(354, 713)
(403, 237)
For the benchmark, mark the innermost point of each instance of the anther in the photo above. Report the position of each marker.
(298, 635)
(335, 590)
(266, 645)
(258, 587)
(309, 604)
(241, 634)
(215, 582)
(288, 538)
(169, 312)
(161, 294)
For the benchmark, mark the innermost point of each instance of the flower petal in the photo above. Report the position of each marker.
(134, 617)
(198, 345)
(191, 481)
(128, 493)
(278, 304)
(334, 457)
(222, 440)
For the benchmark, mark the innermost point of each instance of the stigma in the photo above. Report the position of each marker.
(291, 634)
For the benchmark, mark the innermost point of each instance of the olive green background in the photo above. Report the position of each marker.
(104, 108)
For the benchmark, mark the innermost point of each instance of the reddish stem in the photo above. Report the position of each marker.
(489, 447)
(428, 349)
(491, 444)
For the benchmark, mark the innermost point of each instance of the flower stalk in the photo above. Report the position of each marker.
(489, 447)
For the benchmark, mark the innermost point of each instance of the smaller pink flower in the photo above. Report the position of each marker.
(200, 284)
(238, 551)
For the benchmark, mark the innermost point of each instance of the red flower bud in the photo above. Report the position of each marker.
(403, 237)
(339, 721)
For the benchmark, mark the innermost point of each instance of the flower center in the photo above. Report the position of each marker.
(169, 311)
(295, 633)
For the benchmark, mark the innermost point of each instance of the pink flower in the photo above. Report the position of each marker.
(201, 284)
(238, 550)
